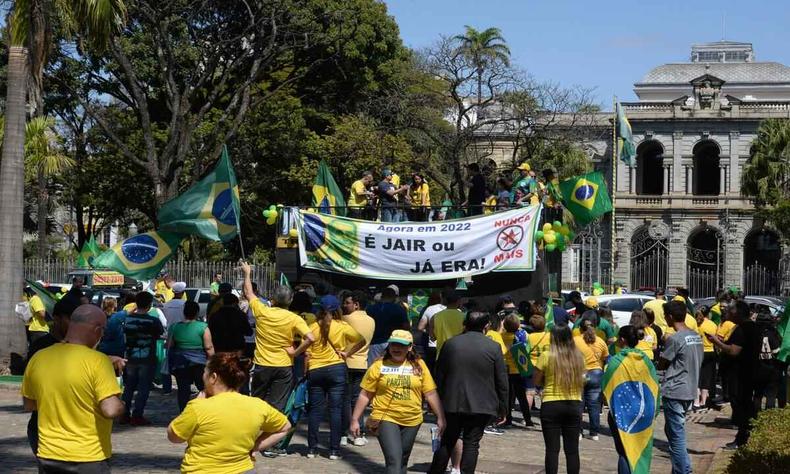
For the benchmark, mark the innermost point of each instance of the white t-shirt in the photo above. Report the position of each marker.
(428, 314)
(174, 311)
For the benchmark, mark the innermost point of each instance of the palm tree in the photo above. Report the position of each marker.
(483, 48)
(766, 176)
(30, 33)
(42, 161)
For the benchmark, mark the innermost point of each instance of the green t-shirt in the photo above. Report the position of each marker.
(607, 328)
(214, 288)
(188, 335)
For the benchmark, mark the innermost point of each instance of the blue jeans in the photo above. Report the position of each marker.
(389, 214)
(675, 429)
(137, 376)
(326, 383)
(592, 399)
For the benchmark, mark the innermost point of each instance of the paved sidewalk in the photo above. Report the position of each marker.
(143, 450)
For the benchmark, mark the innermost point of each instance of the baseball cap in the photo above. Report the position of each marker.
(330, 303)
(591, 302)
(386, 172)
(179, 287)
(524, 166)
(401, 336)
(395, 288)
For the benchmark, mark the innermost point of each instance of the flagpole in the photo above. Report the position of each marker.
(614, 190)
(238, 217)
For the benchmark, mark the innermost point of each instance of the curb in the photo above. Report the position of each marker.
(10, 386)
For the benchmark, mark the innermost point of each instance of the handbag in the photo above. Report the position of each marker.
(372, 425)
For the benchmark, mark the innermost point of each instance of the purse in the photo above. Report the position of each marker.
(372, 425)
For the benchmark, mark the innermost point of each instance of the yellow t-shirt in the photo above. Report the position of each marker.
(322, 354)
(398, 391)
(657, 306)
(507, 339)
(161, 288)
(726, 329)
(690, 322)
(129, 308)
(275, 329)
(598, 332)
(595, 354)
(420, 196)
(447, 323)
(221, 431)
(649, 342)
(37, 323)
(496, 337)
(552, 393)
(538, 344)
(365, 326)
(68, 381)
(707, 327)
(357, 198)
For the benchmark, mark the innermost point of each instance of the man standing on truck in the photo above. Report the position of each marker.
(215, 285)
(359, 196)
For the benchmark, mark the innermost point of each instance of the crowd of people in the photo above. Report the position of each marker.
(393, 201)
(372, 371)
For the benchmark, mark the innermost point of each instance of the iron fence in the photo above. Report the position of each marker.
(195, 273)
(760, 280)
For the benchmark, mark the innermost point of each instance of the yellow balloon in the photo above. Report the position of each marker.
(546, 227)
(549, 237)
(565, 230)
(293, 233)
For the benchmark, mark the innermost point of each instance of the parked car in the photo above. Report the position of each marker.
(622, 305)
(757, 303)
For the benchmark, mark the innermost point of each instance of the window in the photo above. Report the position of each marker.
(709, 57)
(624, 304)
(735, 56)
(205, 297)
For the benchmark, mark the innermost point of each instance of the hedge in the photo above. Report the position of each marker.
(768, 449)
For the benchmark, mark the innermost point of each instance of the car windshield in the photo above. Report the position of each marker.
(624, 304)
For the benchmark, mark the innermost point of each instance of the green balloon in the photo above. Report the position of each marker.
(538, 235)
(561, 247)
(266, 213)
(560, 240)
(550, 247)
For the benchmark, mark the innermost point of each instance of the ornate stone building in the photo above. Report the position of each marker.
(681, 219)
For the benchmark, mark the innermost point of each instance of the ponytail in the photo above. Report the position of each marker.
(325, 319)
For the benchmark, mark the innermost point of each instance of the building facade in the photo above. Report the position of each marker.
(681, 218)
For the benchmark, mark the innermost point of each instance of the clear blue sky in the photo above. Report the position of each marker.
(609, 44)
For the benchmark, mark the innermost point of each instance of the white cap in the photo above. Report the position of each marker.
(179, 287)
(395, 289)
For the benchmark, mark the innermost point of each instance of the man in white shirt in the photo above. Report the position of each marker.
(427, 315)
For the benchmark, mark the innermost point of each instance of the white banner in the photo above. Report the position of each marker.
(503, 241)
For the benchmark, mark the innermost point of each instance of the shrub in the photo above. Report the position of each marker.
(768, 449)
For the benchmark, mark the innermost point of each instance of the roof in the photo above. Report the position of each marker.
(748, 73)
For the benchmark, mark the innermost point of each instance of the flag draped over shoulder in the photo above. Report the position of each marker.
(586, 197)
(549, 315)
(630, 385)
(784, 331)
(90, 250)
(519, 351)
(626, 149)
(47, 298)
(141, 256)
(327, 197)
(715, 314)
(209, 209)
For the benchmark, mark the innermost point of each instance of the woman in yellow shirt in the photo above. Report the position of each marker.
(223, 428)
(397, 383)
(595, 353)
(561, 372)
(649, 342)
(707, 372)
(326, 372)
(420, 198)
(539, 340)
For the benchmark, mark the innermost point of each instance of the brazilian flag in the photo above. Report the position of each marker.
(549, 315)
(329, 241)
(327, 197)
(715, 313)
(626, 149)
(47, 298)
(88, 253)
(209, 209)
(630, 384)
(284, 280)
(519, 351)
(141, 256)
(784, 332)
(586, 197)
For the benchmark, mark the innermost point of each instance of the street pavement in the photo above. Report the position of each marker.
(146, 449)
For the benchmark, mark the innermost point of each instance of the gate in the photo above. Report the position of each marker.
(760, 280)
(649, 260)
(704, 263)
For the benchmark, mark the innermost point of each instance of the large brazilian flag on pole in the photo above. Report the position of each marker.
(630, 385)
(209, 209)
(586, 197)
(141, 256)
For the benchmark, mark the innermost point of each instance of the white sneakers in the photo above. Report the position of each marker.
(361, 441)
(344, 441)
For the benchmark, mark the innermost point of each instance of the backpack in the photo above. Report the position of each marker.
(22, 311)
(770, 342)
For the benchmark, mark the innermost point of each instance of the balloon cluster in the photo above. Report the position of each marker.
(554, 236)
(271, 215)
(597, 289)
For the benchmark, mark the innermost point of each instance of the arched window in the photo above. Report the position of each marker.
(704, 262)
(707, 176)
(761, 254)
(650, 168)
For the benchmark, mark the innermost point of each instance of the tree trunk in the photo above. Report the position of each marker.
(43, 210)
(12, 188)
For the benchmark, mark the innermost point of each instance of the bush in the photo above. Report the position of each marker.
(768, 449)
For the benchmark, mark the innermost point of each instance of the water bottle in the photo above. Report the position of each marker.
(435, 438)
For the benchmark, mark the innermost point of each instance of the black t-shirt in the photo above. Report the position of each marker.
(748, 336)
(477, 192)
(228, 327)
(386, 199)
